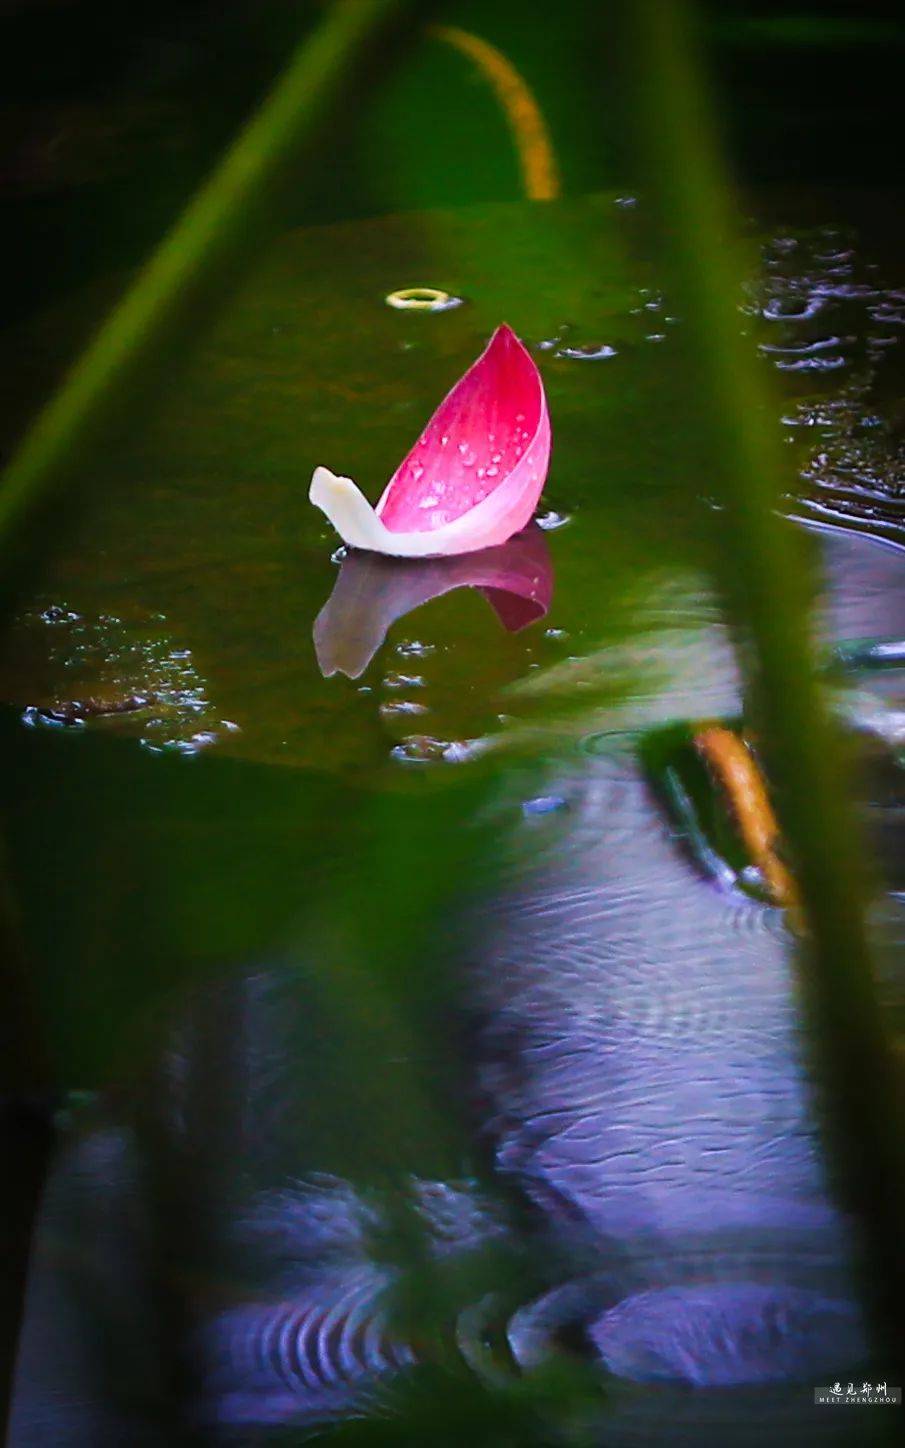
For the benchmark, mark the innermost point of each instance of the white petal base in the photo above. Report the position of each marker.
(359, 526)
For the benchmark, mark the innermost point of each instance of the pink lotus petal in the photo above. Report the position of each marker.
(474, 476)
(371, 593)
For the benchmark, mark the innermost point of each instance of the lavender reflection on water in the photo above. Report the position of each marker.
(639, 1078)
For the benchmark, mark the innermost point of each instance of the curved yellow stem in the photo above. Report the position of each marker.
(540, 174)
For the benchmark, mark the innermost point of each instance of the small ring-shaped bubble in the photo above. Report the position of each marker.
(422, 299)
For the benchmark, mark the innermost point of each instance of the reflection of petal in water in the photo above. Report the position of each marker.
(372, 592)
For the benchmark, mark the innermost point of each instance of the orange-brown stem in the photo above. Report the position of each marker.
(735, 768)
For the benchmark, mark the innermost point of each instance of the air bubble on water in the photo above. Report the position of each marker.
(551, 520)
(461, 751)
(655, 337)
(419, 749)
(393, 707)
(588, 353)
(805, 349)
(339, 554)
(424, 749)
(37, 718)
(889, 313)
(201, 740)
(811, 364)
(793, 309)
(544, 804)
(59, 613)
(625, 202)
(414, 649)
(403, 681)
(193, 745)
(555, 633)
